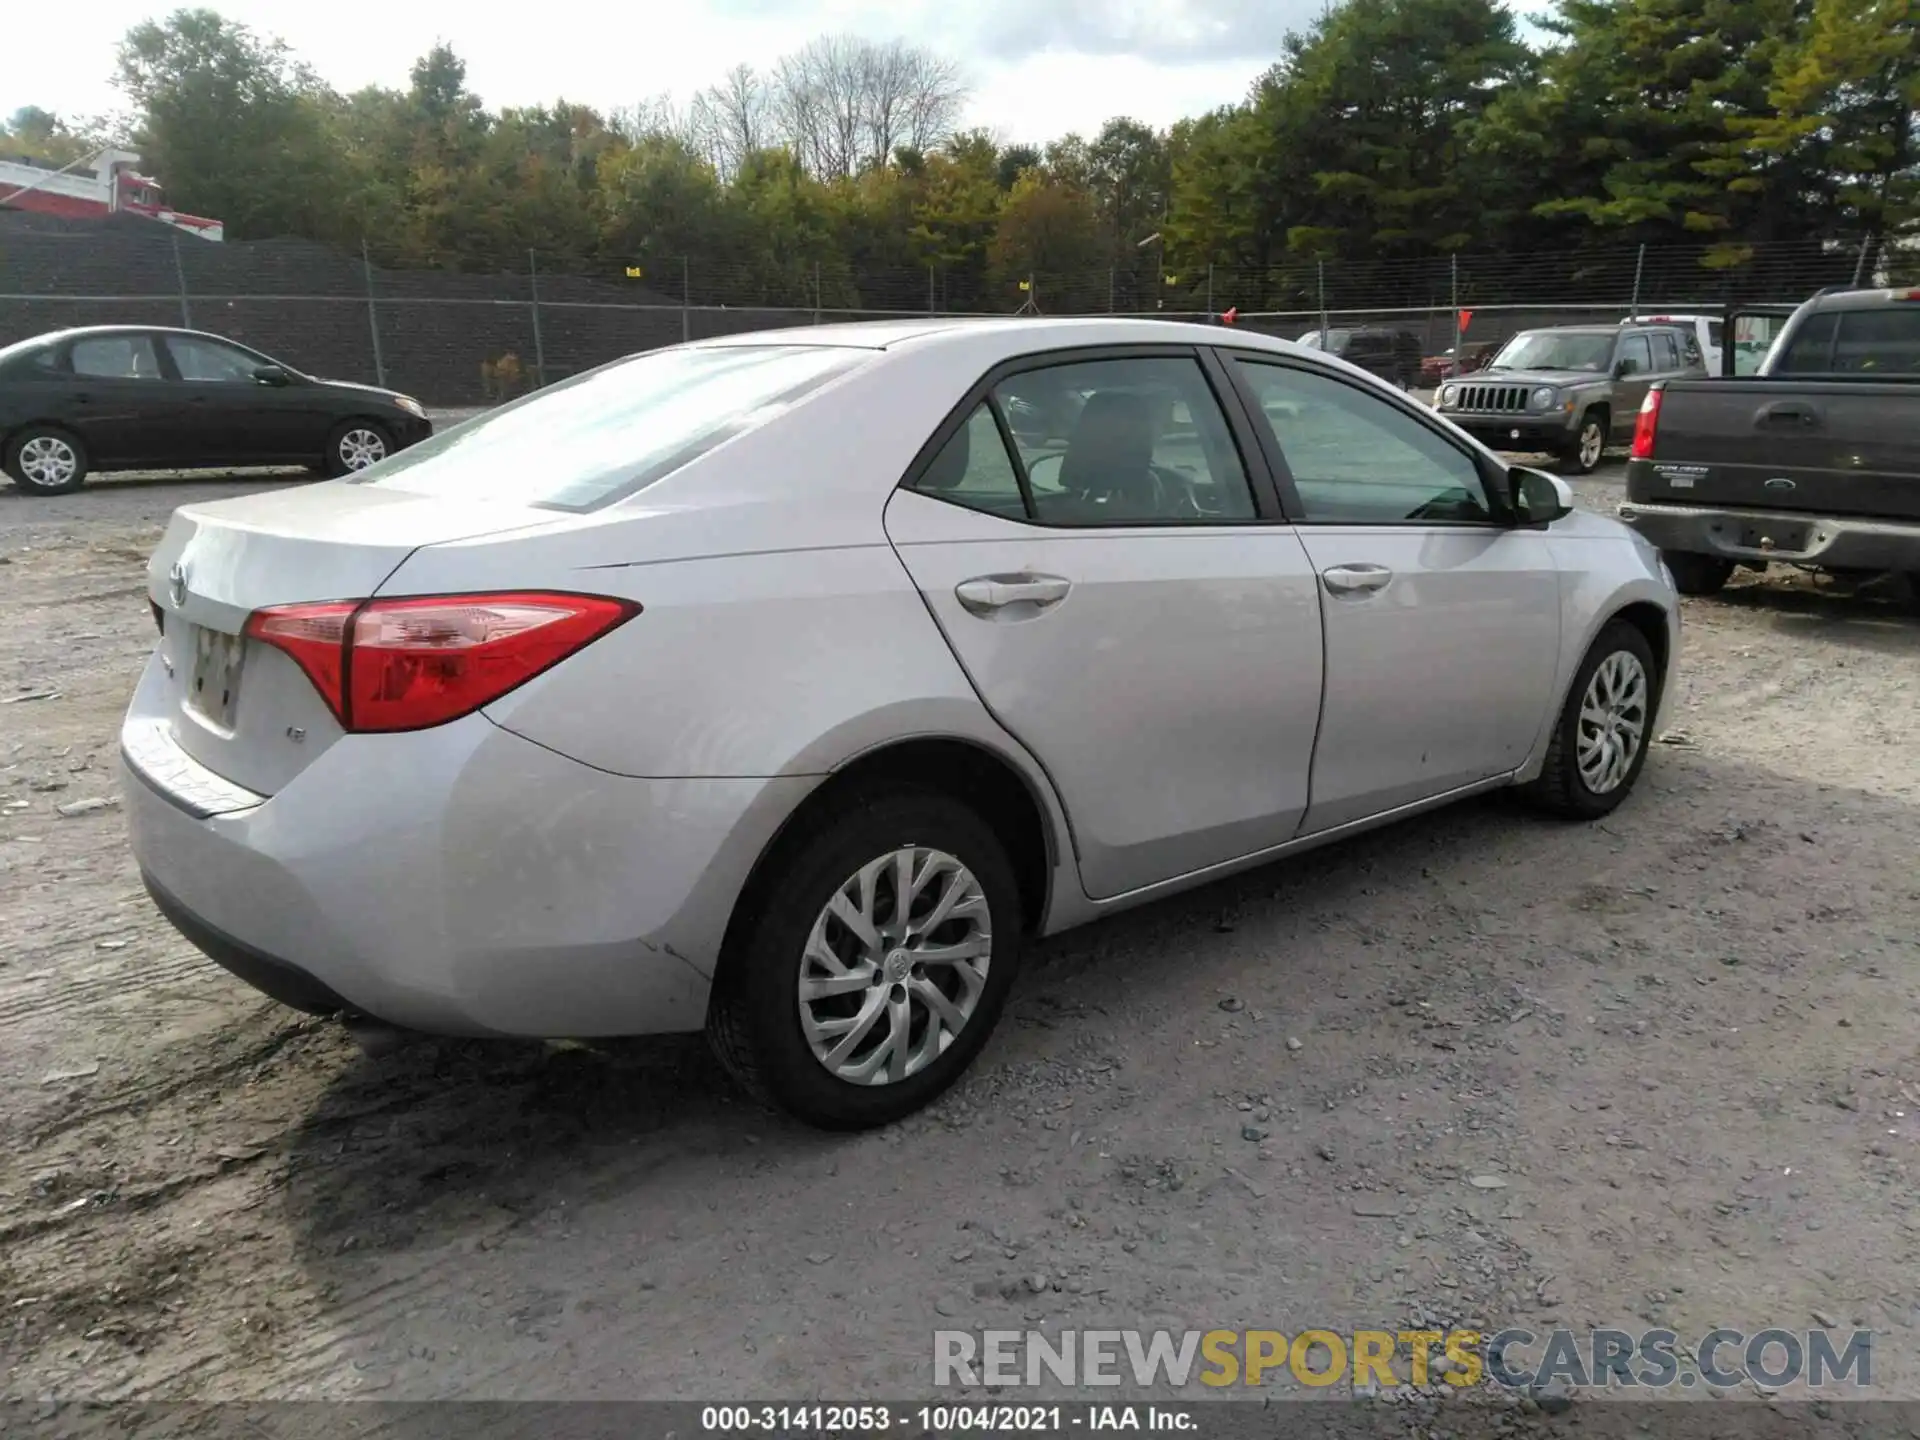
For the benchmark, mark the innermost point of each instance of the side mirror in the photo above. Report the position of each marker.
(271, 375)
(1538, 498)
(1622, 369)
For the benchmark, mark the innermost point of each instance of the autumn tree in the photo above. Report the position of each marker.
(233, 125)
(43, 137)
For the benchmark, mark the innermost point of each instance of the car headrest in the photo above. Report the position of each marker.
(1111, 445)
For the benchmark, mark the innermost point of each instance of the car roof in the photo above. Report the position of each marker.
(1600, 329)
(1874, 299)
(86, 332)
(1022, 333)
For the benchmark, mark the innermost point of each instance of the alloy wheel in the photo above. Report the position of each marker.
(361, 447)
(1613, 722)
(895, 966)
(48, 461)
(1593, 444)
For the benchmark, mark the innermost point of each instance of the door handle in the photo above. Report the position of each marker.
(1356, 579)
(986, 594)
(1791, 410)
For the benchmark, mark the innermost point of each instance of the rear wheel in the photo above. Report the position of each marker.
(1695, 574)
(1600, 741)
(1583, 456)
(874, 962)
(46, 460)
(356, 445)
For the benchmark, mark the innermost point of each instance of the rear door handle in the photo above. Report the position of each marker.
(1356, 579)
(988, 594)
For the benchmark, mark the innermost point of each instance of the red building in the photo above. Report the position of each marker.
(107, 184)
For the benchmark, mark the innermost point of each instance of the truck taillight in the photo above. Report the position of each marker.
(417, 662)
(1646, 426)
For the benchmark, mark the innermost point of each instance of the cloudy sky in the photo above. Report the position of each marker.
(1037, 67)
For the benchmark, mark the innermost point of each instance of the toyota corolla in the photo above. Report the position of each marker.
(781, 686)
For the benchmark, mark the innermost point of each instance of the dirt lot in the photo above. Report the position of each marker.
(1478, 1068)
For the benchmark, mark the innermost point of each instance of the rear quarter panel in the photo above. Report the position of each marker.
(748, 665)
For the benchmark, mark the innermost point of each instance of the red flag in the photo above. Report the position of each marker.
(1231, 316)
(1466, 319)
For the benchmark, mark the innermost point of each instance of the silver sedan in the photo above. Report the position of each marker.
(782, 685)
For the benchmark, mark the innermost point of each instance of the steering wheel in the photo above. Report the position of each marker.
(1172, 483)
(1098, 494)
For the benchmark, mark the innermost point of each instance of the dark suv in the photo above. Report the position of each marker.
(1391, 354)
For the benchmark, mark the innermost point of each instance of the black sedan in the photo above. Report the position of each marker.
(126, 397)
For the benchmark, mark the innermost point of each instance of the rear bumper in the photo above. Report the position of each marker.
(272, 977)
(1530, 434)
(461, 880)
(1832, 541)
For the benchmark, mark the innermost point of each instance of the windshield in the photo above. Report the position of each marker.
(1555, 350)
(598, 437)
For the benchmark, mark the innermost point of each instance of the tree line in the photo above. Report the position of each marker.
(1390, 130)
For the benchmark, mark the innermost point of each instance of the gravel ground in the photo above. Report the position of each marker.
(1480, 1067)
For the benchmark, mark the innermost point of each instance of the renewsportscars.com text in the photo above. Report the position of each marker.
(1513, 1358)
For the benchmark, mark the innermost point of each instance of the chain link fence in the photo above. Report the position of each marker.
(464, 339)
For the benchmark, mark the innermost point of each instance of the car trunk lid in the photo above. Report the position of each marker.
(245, 710)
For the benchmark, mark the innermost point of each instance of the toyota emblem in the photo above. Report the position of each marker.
(177, 584)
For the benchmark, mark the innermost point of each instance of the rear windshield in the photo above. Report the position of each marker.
(599, 437)
(1881, 341)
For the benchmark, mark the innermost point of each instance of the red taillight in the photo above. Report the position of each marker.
(408, 664)
(1646, 426)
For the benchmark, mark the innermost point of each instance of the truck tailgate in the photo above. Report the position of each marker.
(1840, 448)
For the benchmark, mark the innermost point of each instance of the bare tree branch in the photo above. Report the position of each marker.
(843, 103)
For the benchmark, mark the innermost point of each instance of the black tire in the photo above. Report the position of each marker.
(20, 457)
(753, 1021)
(1560, 788)
(343, 444)
(1583, 457)
(1695, 574)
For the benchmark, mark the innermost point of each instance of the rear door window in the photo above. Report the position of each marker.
(599, 437)
(1635, 355)
(1878, 342)
(116, 357)
(1810, 348)
(1666, 354)
(1137, 441)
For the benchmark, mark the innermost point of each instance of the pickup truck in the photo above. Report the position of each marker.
(1812, 461)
